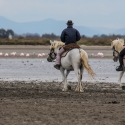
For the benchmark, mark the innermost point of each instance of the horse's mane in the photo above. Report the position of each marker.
(56, 44)
(118, 44)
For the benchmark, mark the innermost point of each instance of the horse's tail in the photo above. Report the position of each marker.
(84, 60)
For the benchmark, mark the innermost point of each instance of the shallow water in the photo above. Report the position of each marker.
(23, 69)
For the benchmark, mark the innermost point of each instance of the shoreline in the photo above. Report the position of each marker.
(33, 50)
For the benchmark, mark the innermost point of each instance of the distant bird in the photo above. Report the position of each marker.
(13, 53)
(43, 54)
(40, 55)
(27, 55)
(92, 54)
(1, 53)
(21, 54)
(100, 54)
(6, 54)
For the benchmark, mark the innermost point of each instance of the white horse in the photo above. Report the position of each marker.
(76, 60)
(117, 46)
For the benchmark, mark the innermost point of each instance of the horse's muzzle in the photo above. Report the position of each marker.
(49, 59)
(115, 59)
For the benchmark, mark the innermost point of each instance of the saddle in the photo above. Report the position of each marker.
(68, 48)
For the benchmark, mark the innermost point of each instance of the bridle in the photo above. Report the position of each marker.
(52, 52)
(114, 50)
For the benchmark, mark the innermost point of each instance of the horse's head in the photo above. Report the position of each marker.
(117, 46)
(54, 46)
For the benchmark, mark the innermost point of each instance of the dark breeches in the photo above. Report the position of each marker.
(121, 54)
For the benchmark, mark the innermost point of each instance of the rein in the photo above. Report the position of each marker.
(114, 50)
(52, 52)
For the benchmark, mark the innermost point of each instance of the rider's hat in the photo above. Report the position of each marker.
(69, 22)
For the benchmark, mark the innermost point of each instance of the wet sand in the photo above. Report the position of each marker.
(44, 103)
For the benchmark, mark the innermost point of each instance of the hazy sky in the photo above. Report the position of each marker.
(90, 13)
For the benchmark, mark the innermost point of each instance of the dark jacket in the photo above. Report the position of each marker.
(70, 35)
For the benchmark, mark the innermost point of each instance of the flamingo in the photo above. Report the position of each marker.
(27, 55)
(43, 54)
(1, 53)
(13, 53)
(6, 54)
(40, 55)
(100, 54)
(21, 54)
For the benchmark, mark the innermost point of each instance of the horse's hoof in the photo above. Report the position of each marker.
(82, 90)
(79, 90)
(69, 87)
(64, 90)
(123, 87)
(76, 91)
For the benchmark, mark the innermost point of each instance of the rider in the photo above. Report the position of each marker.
(121, 54)
(68, 35)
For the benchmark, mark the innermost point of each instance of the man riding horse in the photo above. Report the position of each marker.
(121, 54)
(69, 36)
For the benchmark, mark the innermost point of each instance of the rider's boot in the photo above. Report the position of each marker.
(57, 66)
(119, 68)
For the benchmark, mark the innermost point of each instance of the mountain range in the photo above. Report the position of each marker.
(53, 26)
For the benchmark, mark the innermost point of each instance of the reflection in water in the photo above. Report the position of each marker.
(41, 70)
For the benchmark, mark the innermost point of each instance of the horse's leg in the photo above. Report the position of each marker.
(121, 74)
(62, 72)
(81, 72)
(64, 76)
(65, 82)
(79, 87)
(120, 77)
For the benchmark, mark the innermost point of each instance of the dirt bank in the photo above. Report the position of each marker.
(38, 103)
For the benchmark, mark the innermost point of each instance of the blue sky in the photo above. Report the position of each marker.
(90, 13)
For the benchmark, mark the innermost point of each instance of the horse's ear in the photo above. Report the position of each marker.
(111, 40)
(50, 41)
(55, 41)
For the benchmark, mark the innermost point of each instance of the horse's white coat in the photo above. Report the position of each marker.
(75, 60)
